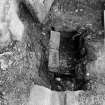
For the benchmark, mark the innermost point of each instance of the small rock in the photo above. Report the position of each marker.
(76, 10)
(58, 79)
(81, 9)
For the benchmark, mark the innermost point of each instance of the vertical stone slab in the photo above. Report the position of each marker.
(72, 98)
(54, 51)
(53, 59)
(40, 95)
(57, 98)
(55, 40)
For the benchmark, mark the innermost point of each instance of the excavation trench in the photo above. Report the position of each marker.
(69, 72)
